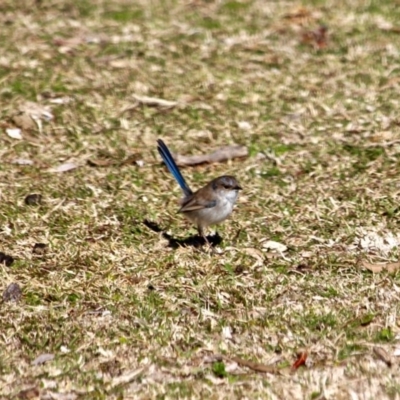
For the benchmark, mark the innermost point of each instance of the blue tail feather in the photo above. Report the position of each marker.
(173, 168)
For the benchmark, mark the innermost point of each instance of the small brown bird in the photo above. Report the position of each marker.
(211, 204)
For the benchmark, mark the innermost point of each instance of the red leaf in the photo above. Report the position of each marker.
(301, 360)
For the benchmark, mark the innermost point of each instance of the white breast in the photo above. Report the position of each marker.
(214, 215)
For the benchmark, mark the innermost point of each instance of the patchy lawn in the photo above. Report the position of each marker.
(301, 298)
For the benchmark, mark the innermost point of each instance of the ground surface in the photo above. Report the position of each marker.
(111, 308)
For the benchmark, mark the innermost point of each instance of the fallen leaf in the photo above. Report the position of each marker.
(154, 101)
(69, 166)
(66, 45)
(12, 293)
(107, 162)
(383, 355)
(376, 268)
(133, 159)
(301, 360)
(298, 13)
(22, 161)
(244, 125)
(60, 100)
(396, 352)
(126, 378)
(253, 365)
(24, 121)
(209, 358)
(60, 396)
(220, 155)
(124, 63)
(255, 253)
(101, 162)
(317, 38)
(14, 133)
(29, 394)
(227, 332)
(271, 245)
(36, 111)
(381, 136)
(43, 358)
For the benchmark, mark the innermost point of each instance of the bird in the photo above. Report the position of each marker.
(210, 205)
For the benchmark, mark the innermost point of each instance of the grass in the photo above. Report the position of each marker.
(128, 313)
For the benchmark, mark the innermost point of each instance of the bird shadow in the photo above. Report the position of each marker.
(191, 241)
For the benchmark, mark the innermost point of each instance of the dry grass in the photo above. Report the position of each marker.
(124, 312)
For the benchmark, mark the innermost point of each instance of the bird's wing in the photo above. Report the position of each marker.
(193, 203)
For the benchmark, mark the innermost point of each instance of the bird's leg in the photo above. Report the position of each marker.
(200, 229)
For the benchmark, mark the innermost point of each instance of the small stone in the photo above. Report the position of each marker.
(12, 293)
(33, 199)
